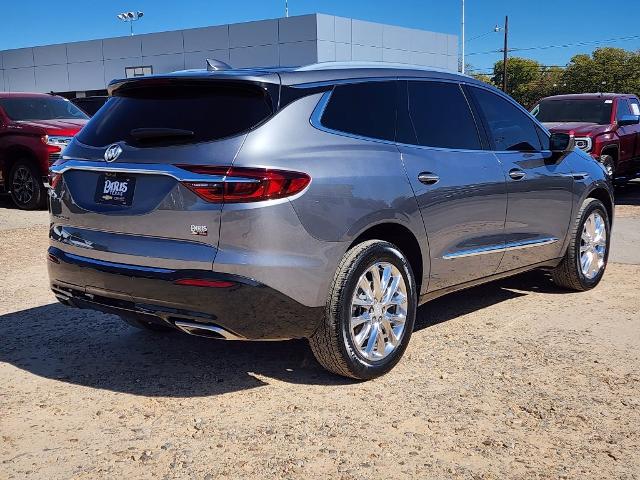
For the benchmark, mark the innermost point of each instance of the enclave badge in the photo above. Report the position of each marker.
(112, 152)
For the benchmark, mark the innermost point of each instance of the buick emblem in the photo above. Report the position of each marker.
(112, 152)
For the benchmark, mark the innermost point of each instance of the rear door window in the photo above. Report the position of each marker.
(510, 128)
(439, 117)
(364, 109)
(177, 113)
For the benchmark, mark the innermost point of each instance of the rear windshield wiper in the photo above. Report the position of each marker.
(160, 133)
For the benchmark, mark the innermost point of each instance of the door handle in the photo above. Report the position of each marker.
(517, 174)
(428, 178)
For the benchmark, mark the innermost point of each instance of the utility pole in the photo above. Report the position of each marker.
(462, 67)
(286, 8)
(505, 58)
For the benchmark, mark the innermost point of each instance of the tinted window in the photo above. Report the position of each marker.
(90, 105)
(575, 110)
(623, 108)
(366, 109)
(509, 127)
(40, 108)
(545, 140)
(439, 117)
(185, 113)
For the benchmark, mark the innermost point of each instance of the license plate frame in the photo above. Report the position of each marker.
(115, 189)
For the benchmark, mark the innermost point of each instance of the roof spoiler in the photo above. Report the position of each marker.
(214, 65)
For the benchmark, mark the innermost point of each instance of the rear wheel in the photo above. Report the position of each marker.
(586, 259)
(27, 190)
(370, 312)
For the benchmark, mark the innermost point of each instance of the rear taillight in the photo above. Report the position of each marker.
(246, 184)
(54, 178)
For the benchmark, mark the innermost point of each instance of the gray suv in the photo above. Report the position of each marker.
(325, 202)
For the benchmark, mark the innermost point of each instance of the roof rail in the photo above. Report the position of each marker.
(359, 64)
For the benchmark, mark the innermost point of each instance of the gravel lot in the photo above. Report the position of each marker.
(515, 379)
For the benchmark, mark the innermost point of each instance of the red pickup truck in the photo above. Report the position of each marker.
(34, 128)
(606, 125)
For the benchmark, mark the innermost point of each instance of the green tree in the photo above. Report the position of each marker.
(482, 77)
(605, 70)
(523, 78)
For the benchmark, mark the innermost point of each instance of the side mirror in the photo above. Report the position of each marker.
(561, 142)
(628, 120)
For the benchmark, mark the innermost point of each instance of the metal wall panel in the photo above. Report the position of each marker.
(299, 40)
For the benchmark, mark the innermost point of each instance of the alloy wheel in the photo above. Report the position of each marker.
(378, 311)
(593, 245)
(23, 185)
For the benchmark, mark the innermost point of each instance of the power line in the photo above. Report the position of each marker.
(565, 45)
(490, 70)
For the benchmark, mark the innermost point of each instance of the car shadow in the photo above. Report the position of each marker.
(100, 351)
(454, 305)
(628, 194)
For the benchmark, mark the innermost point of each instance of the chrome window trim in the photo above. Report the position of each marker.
(500, 248)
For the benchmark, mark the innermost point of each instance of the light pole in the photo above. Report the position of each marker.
(130, 17)
(462, 67)
(286, 8)
(505, 57)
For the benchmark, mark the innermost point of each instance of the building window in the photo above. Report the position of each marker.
(131, 72)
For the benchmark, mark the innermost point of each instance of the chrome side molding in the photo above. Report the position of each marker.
(500, 248)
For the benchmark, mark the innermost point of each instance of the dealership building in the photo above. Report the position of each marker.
(79, 69)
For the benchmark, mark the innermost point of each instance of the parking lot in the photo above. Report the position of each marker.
(512, 379)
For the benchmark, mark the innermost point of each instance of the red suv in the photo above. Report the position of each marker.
(34, 128)
(606, 125)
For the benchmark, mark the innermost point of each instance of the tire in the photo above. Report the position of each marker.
(569, 274)
(142, 325)
(27, 189)
(609, 165)
(334, 343)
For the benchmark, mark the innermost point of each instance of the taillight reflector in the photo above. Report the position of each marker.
(246, 184)
(201, 282)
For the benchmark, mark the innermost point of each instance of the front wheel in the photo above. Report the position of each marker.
(609, 165)
(370, 312)
(27, 190)
(586, 259)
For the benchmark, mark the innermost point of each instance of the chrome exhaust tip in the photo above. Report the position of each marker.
(207, 331)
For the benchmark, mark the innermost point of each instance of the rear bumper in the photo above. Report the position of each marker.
(246, 310)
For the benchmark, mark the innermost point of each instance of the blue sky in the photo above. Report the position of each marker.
(533, 23)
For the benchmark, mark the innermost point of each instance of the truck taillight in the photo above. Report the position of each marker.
(240, 185)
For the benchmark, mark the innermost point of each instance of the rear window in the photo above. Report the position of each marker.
(364, 109)
(177, 113)
(40, 108)
(575, 110)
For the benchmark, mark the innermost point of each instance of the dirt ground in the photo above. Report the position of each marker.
(515, 379)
